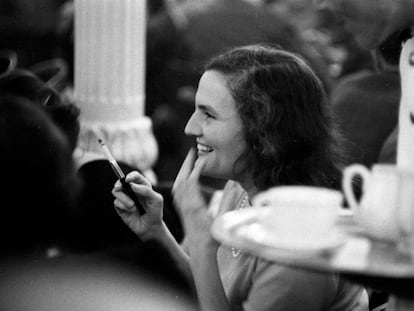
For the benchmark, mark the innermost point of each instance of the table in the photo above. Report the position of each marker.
(376, 264)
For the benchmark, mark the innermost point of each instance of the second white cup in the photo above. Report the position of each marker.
(385, 209)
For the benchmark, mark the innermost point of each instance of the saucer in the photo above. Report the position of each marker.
(257, 233)
(249, 229)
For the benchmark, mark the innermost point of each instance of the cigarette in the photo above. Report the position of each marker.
(121, 176)
(111, 160)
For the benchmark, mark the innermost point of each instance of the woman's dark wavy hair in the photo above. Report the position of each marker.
(24, 83)
(286, 120)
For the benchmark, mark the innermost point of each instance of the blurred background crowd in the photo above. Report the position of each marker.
(181, 35)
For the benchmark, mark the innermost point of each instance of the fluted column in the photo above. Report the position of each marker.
(109, 81)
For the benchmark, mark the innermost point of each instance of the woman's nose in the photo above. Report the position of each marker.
(192, 127)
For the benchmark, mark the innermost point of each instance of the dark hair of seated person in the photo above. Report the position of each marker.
(38, 185)
(26, 84)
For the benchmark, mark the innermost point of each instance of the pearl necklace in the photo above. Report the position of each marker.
(235, 251)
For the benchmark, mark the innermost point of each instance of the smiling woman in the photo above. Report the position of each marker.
(260, 120)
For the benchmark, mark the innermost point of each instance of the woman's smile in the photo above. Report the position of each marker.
(202, 149)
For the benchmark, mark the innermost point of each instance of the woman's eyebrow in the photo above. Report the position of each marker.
(204, 107)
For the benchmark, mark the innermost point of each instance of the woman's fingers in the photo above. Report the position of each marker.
(137, 178)
(139, 185)
(142, 190)
(146, 193)
(123, 198)
(187, 165)
(117, 186)
(198, 168)
(121, 206)
(187, 194)
(185, 169)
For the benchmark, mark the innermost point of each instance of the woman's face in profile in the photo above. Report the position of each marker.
(217, 126)
(370, 21)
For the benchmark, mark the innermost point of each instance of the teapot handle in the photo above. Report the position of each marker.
(350, 173)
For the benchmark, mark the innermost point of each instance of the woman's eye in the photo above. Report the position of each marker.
(208, 115)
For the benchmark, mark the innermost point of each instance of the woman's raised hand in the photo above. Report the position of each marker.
(190, 201)
(147, 225)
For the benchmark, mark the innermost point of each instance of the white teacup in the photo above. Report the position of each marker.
(385, 208)
(303, 216)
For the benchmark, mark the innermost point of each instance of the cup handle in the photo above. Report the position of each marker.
(350, 173)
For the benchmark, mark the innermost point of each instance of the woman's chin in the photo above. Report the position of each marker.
(209, 172)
